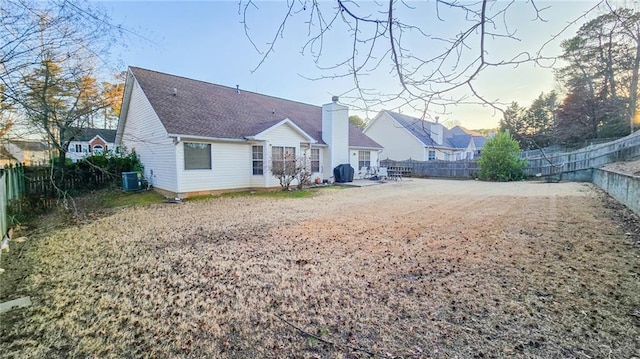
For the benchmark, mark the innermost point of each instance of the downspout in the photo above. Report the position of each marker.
(177, 140)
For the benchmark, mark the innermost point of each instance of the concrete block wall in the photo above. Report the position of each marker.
(623, 187)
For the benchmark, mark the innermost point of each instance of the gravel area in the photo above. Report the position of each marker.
(410, 269)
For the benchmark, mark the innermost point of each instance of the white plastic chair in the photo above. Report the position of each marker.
(364, 173)
(383, 174)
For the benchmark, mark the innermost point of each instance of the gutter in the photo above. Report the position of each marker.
(204, 138)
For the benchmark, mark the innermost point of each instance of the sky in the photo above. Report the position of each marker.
(206, 40)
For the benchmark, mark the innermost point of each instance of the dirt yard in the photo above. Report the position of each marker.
(628, 167)
(413, 269)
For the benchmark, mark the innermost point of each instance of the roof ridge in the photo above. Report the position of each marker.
(224, 86)
(412, 117)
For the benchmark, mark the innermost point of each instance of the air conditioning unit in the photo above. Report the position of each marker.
(131, 181)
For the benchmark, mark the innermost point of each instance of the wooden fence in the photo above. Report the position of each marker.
(12, 187)
(444, 169)
(594, 156)
(539, 163)
(4, 215)
(25, 188)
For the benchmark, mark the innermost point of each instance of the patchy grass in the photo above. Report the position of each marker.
(305, 193)
(112, 199)
(514, 270)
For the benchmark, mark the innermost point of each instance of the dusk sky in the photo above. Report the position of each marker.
(206, 41)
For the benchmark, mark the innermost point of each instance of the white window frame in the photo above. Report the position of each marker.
(364, 159)
(255, 160)
(98, 147)
(287, 154)
(202, 146)
(314, 160)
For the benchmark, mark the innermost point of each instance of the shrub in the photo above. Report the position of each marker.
(499, 160)
(100, 171)
(291, 169)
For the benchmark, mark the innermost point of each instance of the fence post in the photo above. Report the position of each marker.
(4, 216)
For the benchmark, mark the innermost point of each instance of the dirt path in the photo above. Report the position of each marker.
(421, 268)
(628, 167)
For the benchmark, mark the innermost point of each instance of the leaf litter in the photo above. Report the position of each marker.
(416, 269)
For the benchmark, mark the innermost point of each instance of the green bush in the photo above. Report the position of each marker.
(499, 160)
(100, 171)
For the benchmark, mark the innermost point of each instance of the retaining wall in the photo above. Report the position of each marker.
(623, 187)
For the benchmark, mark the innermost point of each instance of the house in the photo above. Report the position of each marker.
(405, 137)
(29, 152)
(6, 158)
(195, 137)
(91, 141)
(473, 139)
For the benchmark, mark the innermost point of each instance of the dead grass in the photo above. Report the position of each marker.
(420, 268)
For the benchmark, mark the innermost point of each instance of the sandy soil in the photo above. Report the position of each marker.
(420, 268)
(628, 167)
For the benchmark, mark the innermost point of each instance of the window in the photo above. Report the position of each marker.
(283, 158)
(447, 156)
(197, 156)
(315, 160)
(432, 155)
(257, 157)
(97, 149)
(364, 159)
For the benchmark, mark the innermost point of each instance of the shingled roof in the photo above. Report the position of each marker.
(188, 107)
(30, 145)
(87, 134)
(456, 138)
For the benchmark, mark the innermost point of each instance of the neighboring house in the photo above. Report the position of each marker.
(474, 141)
(29, 152)
(195, 137)
(6, 158)
(90, 141)
(404, 137)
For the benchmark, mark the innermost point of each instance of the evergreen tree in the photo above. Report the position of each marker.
(601, 78)
(500, 161)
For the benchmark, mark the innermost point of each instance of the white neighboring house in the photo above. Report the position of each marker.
(195, 137)
(91, 141)
(405, 137)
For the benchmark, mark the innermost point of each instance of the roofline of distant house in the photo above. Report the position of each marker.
(92, 138)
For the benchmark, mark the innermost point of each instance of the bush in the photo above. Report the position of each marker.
(291, 169)
(100, 171)
(499, 160)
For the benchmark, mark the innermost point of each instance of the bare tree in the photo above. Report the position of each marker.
(434, 52)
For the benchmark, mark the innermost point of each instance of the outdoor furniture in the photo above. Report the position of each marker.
(395, 174)
(383, 174)
(364, 173)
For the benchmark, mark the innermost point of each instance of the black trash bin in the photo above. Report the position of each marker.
(343, 173)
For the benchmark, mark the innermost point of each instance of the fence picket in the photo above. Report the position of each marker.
(594, 156)
(4, 216)
(553, 163)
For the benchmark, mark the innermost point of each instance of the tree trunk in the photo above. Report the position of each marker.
(633, 93)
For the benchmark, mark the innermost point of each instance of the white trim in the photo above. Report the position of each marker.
(94, 137)
(366, 148)
(126, 99)
(182, 138)
(288, 122)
